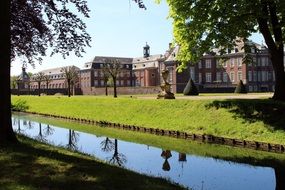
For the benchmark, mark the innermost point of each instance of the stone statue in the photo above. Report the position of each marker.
(165, 87)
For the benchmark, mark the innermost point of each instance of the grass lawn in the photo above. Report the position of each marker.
(33, 165)
(260, 120)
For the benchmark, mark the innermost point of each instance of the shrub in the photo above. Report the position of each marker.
(190, 89)
(20, 105)
(240, 88)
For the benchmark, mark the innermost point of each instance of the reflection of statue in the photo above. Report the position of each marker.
(165, 87)
(166, 154)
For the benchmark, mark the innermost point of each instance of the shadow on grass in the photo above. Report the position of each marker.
(32, 165)
(272, 113)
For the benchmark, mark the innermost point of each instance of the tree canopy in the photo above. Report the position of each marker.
(39, 24)
(201, 25)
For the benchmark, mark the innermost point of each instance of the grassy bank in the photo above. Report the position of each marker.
(32, 165)
(259, 120)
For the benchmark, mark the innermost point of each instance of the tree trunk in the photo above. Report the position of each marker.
(6, 131)
(115, 87)
(275, 45)
(39, 88)
(278, 65)
(279, 177)
(106, 87)
(68, 88)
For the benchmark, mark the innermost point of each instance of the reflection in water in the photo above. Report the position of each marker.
(73, 138)
(107, 145)
(117, 158)
(193, 171)
(165, 155)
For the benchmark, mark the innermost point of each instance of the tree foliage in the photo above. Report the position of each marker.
(201, 25)
(39, 24)
(112, 67)
(71, 75)
(39, 78)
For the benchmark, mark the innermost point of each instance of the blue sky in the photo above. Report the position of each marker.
(118, 28)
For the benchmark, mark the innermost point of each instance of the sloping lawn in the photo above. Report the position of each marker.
(259, 120)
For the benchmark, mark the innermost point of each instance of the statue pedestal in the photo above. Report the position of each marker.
(165, 94)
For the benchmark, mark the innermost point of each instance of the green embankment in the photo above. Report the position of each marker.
(259, 120)
(31, 165)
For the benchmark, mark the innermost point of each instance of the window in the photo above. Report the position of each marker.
(225, 63)
(239, 61)
(218, 76)
(232, 62)
(200, 65)
(102, 83)
(232, 77)
(208, 77)
(249, 76)
(259, 76)
(128, 83)
(122, 82)
(95, 82)
(152, 75)
(239, 75)
(263, 76)
(250, 88)
(192, 73)
(95, 73)
(208, 63)
(255, 88)
(254, 76)
(200, 77)
(269, 76)
(117, 82)
(225, 77)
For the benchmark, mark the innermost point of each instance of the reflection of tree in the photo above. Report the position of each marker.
(107, 145)
(40, 136)
(73, 138)
(19, 130)
(30, 125)
(49, 130)
(166, 154)
(117, 158)
(279, 177)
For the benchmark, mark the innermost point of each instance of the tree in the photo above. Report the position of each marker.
(28, 28)
(39, 78)
(106, 78)
(241, 88)
(47, 80)
(71, 77)
(13, 81)
(202, 25)
(190, 89)
(113, 68)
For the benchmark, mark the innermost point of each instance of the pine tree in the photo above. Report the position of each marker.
(241, 88)
(190, 89)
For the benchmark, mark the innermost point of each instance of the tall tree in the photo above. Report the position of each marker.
(28, 28)
(113, 68)
(13, 82)
(71, 75)
(200, 25)
(39, 78)
(47, 80)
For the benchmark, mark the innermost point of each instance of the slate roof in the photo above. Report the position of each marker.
(123, 60)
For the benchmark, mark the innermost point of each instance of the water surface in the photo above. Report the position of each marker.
(196, 172)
